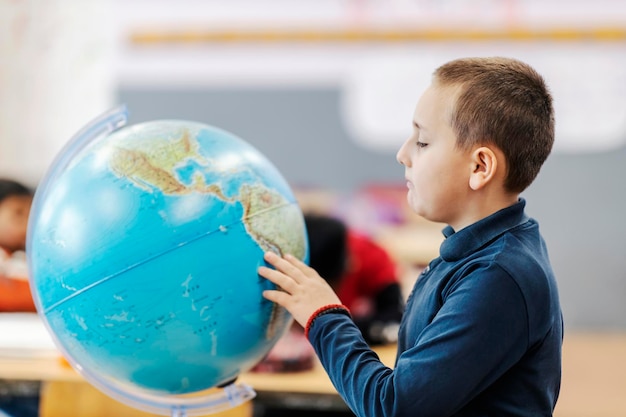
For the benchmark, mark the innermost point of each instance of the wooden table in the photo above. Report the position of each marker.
(65, 392)
(594, 382)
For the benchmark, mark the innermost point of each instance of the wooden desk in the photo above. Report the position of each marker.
(594, 379)
(304, 390)
(594, 375)
(64, 390)
(312, 381)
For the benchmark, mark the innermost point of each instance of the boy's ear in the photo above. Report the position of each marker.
(484, 167)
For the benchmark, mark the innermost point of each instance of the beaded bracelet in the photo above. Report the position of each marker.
(330, 308)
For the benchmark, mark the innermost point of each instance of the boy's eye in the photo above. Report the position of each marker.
(421, 144)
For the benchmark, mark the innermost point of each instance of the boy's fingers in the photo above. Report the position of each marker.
(295, 261)
(287, 267)
(306, 270)
(276, 277)
(278, 297)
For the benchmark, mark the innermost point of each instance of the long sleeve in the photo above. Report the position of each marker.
(471, 341)
(481, 333)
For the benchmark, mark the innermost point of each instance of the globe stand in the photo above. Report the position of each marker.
(210, 401)
(232, 396)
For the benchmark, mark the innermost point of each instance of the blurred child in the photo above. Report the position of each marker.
(19, 399)
(15, 202)
(482, 330)
(361, 272)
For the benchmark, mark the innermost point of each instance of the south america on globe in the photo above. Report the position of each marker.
(143, 250)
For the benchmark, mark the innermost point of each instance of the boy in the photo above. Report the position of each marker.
(15, 203)
(482, 330)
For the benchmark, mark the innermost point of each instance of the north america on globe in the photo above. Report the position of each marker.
(154, 162)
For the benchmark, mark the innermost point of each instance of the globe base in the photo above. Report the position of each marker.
(230, 396)
(210, 401)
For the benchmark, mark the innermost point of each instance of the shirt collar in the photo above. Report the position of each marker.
(458, 245)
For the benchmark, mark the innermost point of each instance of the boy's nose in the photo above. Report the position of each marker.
(398, 158)
(401, 155)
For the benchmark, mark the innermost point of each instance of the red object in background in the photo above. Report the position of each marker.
(15, 295)
(370, 270)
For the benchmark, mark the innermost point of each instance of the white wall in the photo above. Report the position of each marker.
(63, 60)
(56, 74)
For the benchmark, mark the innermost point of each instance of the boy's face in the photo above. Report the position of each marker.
(437, 173)
(14, 211)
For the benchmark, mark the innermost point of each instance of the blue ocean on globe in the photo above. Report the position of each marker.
(144, 247)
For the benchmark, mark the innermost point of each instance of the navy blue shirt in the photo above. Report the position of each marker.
(481, 334)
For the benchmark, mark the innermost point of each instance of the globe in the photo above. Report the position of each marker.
(143, 248)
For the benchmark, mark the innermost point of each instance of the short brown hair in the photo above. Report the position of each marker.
(504, 102)
(10, 188)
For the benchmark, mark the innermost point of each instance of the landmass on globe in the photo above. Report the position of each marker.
(154, 162)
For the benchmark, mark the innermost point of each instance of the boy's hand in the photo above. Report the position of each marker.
(303, 290)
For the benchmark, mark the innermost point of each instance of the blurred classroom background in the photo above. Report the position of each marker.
(326, 90)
